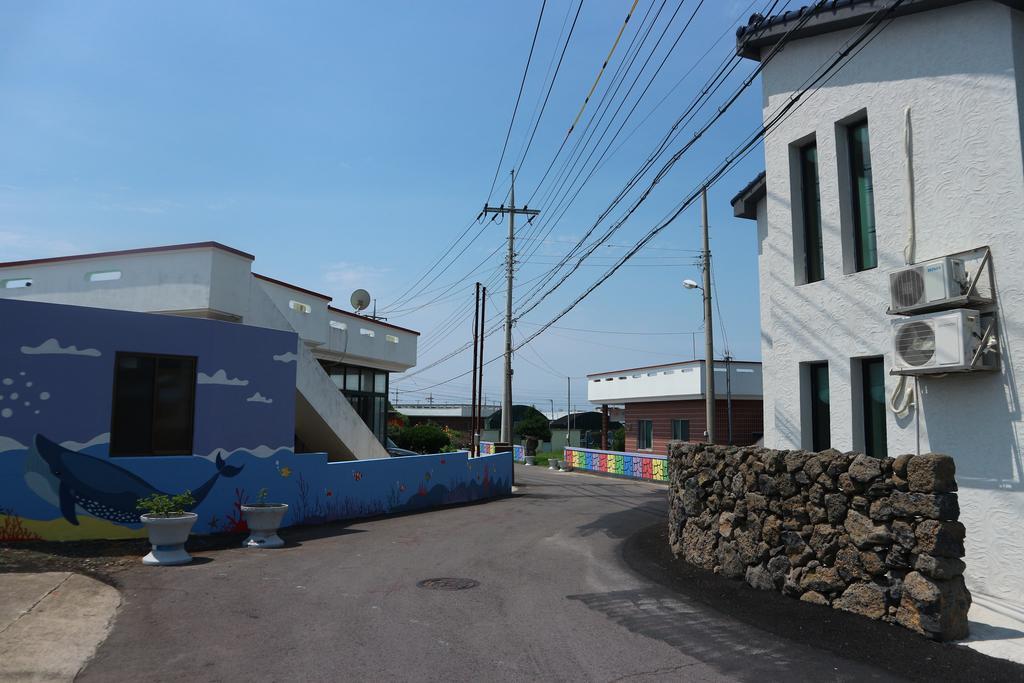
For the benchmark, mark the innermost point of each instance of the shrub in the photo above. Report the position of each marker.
(619, 439)
(423, 438)
(535, 425)
(162, 505)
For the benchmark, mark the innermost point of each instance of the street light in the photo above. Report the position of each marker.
(709, 363)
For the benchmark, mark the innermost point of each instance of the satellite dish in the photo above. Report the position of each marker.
(360, 299)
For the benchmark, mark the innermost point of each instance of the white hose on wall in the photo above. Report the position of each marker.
(908, 152)
(903, 398)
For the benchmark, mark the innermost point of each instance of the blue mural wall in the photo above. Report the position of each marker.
(58, 480)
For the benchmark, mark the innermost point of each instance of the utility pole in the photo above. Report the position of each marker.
(728, 389)
(476, 333)
(568, 409)
(709, 345)
(478, 380)
(510, 261)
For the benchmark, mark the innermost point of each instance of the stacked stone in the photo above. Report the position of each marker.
(877, 537)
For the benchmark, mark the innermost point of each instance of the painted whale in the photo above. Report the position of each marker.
(101, 488)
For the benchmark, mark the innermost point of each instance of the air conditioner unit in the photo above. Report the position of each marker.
(939, 342)
(928, 284)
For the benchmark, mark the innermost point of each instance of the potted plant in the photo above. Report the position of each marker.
(169, 524)
(264, 519)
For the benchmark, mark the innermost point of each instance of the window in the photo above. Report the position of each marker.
(680, 430)
(390, 338)
(154, 405)
(337, 325)
(873, 396)
(644, 434)
(810, 214)
(17, 283)
(365, 332)
(104, 276)
(819, 406)
(862, 196)
(300, 307)
(366, 390)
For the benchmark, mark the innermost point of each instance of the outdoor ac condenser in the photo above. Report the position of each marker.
(939, 342)
(928, 284)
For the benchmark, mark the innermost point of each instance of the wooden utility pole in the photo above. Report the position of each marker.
(709, 346)
(512, 210)
(473, 406)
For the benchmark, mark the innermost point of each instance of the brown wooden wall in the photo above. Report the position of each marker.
(747, 421)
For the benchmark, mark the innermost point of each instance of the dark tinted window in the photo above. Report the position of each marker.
(821, 437)
(154, 405)
(873, 385)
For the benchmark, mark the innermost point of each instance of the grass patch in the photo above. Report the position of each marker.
(543, 457)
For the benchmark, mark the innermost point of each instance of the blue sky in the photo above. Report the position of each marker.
(347, 144)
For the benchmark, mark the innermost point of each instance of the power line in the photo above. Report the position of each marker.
(515, 109)
(668, 166)
(526, 150)
(600, 71)
(810, 85)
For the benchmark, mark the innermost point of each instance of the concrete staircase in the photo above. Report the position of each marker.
(324, 419)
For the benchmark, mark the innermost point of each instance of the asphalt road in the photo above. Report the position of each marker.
(556, 601)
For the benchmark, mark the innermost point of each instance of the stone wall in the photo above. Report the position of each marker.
(877, 537)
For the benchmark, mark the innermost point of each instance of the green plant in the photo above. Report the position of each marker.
(619, 439)
(535, 425)
(163, 505)
(422, 438)
(261, 497)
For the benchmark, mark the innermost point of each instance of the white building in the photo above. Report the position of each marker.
(665, 403)
(834, 219)
(343, 362)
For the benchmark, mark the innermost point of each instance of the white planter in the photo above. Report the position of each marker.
(167, 536)
(552, 464)
(565, 465)
(529, 460)
(264, 521)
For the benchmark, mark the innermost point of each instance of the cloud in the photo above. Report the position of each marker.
(52, 347)
(349, 274)
(9, 444)
(289, 357)
(82, 445)
(221, 377)
(24, 243)
(259, 398)
(261, 451)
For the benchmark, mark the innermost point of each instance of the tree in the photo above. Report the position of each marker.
(535, 425)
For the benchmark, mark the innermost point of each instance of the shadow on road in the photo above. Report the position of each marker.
(733, 648)
(824, 634)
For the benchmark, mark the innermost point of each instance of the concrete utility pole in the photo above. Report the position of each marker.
(568, 408)
(709, 345)
(728, 389)
(510, 262)
(478, 380)
(476, 332)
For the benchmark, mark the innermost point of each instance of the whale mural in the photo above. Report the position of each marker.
(59, 481)
(96, 486)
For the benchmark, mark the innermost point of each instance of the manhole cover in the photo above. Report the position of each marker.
(448, 584)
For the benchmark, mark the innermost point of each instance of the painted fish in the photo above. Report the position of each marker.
(96, 485)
